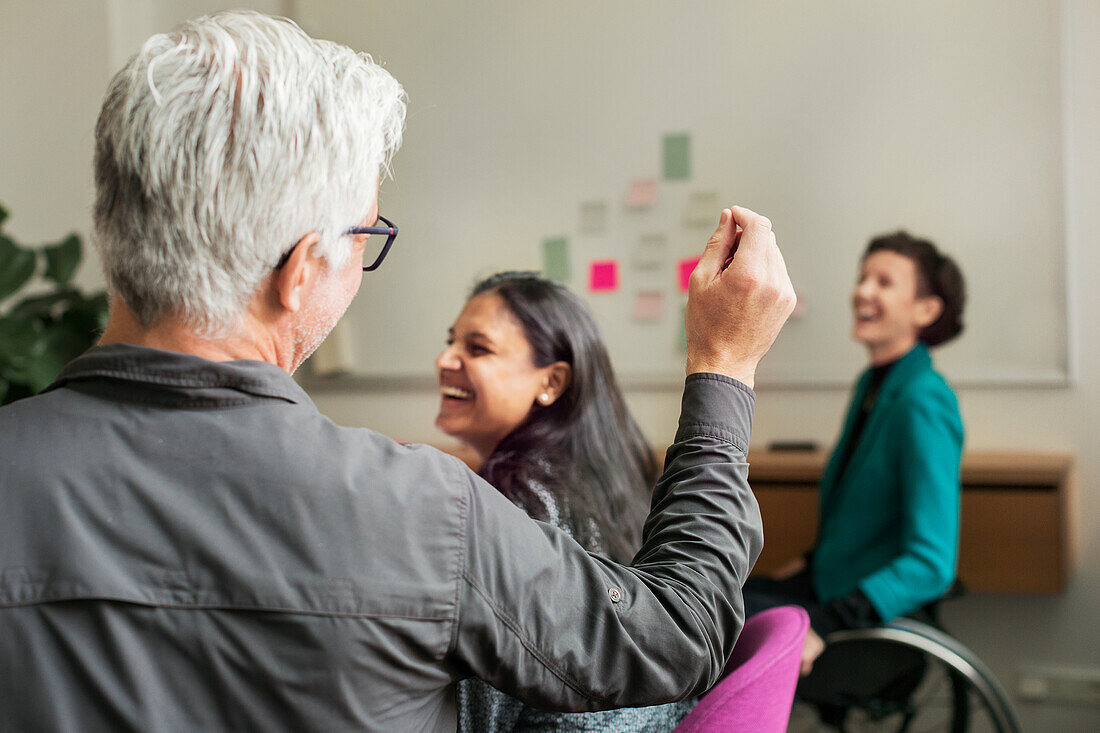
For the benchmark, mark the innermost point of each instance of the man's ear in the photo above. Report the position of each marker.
(302, 270)
(929, 309)
(558, 377)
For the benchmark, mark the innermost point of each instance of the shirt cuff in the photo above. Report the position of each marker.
(853, 611)
(717, 406)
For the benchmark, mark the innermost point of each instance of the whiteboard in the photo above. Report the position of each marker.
(839, 120)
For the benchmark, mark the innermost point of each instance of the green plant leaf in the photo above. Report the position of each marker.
(17, 266)
(62, 259)
(38, 374)
(36, 370)
(45, 305)
(62, 346)
(44, 331)
(85, 314)
(20, 338)
(16, 391)
(76, 333)
(3, 215)
(22, 345)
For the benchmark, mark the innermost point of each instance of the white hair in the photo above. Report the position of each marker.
(223, 143)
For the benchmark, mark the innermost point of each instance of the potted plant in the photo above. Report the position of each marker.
(44, 321)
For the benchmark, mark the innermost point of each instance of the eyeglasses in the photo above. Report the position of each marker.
(390, 230)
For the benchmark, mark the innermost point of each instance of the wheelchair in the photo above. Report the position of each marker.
(908, 675)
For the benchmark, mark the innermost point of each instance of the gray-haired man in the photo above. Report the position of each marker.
(187, 544)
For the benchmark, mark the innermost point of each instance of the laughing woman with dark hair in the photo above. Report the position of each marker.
(525, 381)
(889, 508)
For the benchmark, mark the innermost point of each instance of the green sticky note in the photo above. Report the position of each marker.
(677, 157)
(555, 259)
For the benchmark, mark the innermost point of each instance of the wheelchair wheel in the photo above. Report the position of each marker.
(906, 676)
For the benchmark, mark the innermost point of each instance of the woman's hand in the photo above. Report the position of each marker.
(811, 650)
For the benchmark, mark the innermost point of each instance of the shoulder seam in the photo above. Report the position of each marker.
(462, 549)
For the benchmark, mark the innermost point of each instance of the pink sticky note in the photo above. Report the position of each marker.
(647, 305)
(603, 276)
(642, 193)
(686, 268)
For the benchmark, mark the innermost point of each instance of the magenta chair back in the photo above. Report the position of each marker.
(757, 690)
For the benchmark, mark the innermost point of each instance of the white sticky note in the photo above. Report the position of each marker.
(702, 209)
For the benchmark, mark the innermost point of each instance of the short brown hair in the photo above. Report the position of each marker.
(937, 274)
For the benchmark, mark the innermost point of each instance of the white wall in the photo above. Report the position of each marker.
(53, 72)
(839, 119)
(56, 58)
(1010, 631)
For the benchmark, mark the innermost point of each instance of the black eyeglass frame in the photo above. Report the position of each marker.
(390, 230)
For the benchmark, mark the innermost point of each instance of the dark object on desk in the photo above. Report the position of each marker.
(792, 445)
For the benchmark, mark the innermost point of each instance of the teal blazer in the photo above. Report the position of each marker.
(889, 525)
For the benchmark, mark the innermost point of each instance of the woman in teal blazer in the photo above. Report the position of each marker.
(890, 518)
(889, 510)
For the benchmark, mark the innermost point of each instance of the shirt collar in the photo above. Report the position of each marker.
(179, 371)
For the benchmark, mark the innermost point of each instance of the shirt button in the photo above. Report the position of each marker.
(614, 594)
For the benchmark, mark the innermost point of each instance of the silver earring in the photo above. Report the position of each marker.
(544, 398)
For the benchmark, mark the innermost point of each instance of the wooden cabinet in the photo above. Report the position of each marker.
(1016, 532)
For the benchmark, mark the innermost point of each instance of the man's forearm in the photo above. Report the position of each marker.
(705, 527)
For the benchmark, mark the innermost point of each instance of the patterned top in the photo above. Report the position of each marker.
(484, 709)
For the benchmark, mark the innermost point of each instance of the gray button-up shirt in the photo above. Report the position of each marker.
(188, 545)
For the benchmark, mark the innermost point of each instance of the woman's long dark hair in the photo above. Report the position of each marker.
(585, 448)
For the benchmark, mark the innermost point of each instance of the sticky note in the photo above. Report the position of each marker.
(648, 305)
(555, 259)
(684, 269)
(593, 217)
(677, 156)
(603, 276)
(702, 209)
(650, 254)
(641, 193)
